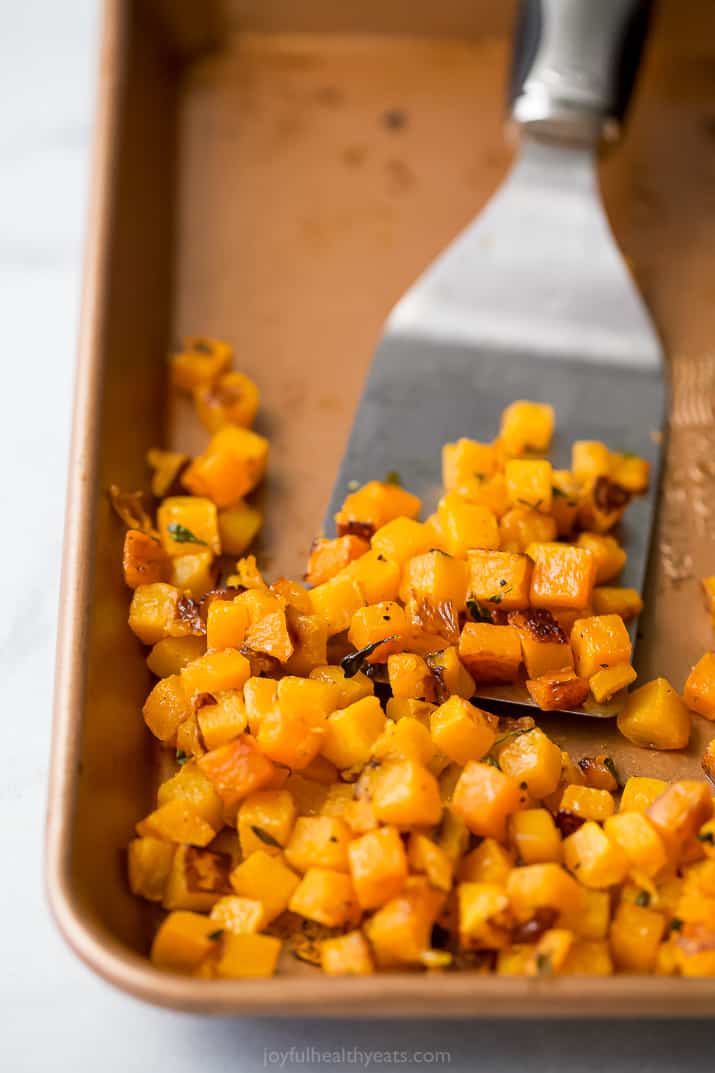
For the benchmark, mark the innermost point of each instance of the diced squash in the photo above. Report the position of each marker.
(484, 919)
(267, 624)
(223, 721)
(437, 578)
(563, 575)
(490, 653)
(166, 707)
(230, 467)
(200, 361)
(640, 792)
(466, 461)
(166, 467)
(591, 917)
(290, 740)
(608, 555)
(484, 796)
(326, 897)
(608, 681)
(550, 952)
(226, 624)
(215, 672)
(186, 523)
(588, 958)
(541, 886)
(410, 676)
(402, 539)
(247, 575)
(630, 472)
(529, 483)
(171, 654)
(611, 600)
(600, 642)
(466, 525)
(565, 493)
(197, 879)
(267, 880)
(535, 836)
(378, 866)
(699, 691)
(153, 612)
(144, 560)
(602, 505)
(544, 645)
(148, 864)
(679, 813)
(558, 691)
(406, 739)
(193, 573)
(336, 601)
(635, 937)
(425, 856)
(400, 931)
(501, 578)
(176, 821)
(593, 858)
(527, 426)
(385, 620)
(192, 786)
(405, 793)
(374, 505)
(450, 673)
(490, 862)
(522, 526)
(319, 842)
(462, 731)
(534, 760)
(329, 557)
(242, 916)
(346, 955)
(590, 459)
(238, 527)
(309, 636)
(377, 576)
(265, 821)
(182, 942)
(247, 956)
(309, 699)
(231, 399)
(639, 840)
(237, 769)
(351, 732)
(349, 690)
(655, 717)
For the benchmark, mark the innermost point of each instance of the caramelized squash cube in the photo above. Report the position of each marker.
(309, 634)
(534, 759)
(608, 555)
(437, 578)
(407, 739)
(227, 622)
(319, 842)
(406, 794)
(640, 792)
(260, 696)
(374, 505)
(238, 527)
(484, 797)
(639, 840)
(195, 789)
(565, 500)
(426, 857)
(267, 880)
(630, 472)
(383, 621)
(588, 958)
(176, 821)
(329, 556)
(466, 461)
(699, 691)
(527, 426)
(188, 522)
(410, 677)
(153, 612)
(612, 600)
(593, 858)
(466, 525)
(635, 938)
(291, 741)
(483, 913)
(378, 866)
(182, 942)
(655, 717)
(326, 897)
(402, 539)
(267, 624)
(490, 653)
(588, 803)
(144, 560)
(351, 732)
(400, 931)
(241, 916)
(346, 955)
(679, 813)
(247, 956)
(502, 578)
(590, 459)
(166, 707)
(265, 821)
(223, 721)
(462, 731)
(215, 672)
(193, 573)
(600, 642)
(529, 483)
(377, 576)
(608, 681)
(231, 466)
(522, 526)
(197, 879)
(336, 601)
(563, 575)
(541, 886)
(535, 836)
(591, 918)
(237, 769)
(558, 691)
(171, 654)
(308, 699)
(232, 399)
(200, 361)
(544, 644)
(490, 862)
(451, 673)
(349, 690)
(148, 864)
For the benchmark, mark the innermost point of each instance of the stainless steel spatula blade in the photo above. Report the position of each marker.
(533, 300)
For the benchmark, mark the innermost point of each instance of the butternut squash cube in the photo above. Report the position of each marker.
(594, 858)
(608, 555)
(307, 699)
(153, 612)
(528, 483)
(267, 880)
(410, 676)
(247, 956)
(558, 691)
(544, 645)
(640, 792)
(527, 426)
(376, 622)
(349, 690)
(490, 862)
(451, 673)
(466, 525)
(462, 731)
(639, 840)
(265, 821)
(402, 539)
(144, 560)
(171, 654)
(565, 496)
(400, 931)
(237, 769)
(484, 796)
(176, 821)
(374, 505)
(499, 577)
(242, 916)
(541, 886)
(200, 361)
(588, 803)
(588, 958)
(289, 740)
(336, 601)
(590, 459)
(534, 759)
(197, 879)
(377, 576)
(346, 955)
(226, 624)
(611, 600)
(490, 653)
(600, 642)
(192, 786)
(407, 739)
(406, 794)
(231, 466)
(699, 691)
(193, 573)
(592, 916)
(608, 681)
(267, 625)
(655, 717)
(535, 836)
(309, 634)
(260, 696)
(319, 842)
(465, 461)
(522, 526)
(484, 920)
(182, 942)
(327, 897)
(550, 952)
(329, 556)
(185, 522)
(149, 863)
(215, 672)
(378, 866)
(563, 575)
(425, 856)
(351, 732)
(223, 721)
(679, 813)
(437, 578)
(232, 399)
(166, 707)
(635, 937)
(630, 472)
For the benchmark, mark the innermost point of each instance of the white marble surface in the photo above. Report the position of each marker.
(55, 1015)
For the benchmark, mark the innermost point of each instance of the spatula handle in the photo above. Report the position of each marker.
(575, 63)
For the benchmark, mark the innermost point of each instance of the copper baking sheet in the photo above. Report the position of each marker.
(277, 174)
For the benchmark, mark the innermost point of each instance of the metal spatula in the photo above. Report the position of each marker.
(533, 300)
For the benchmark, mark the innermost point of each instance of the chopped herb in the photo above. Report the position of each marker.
(511, 734)
(642, 899)
(265, 837)
(491, 761)
(381, 558)
(392, 477)
(610, 766)
(676, 924)
(356, 660)
(498, 596)
(707, 836)
(441, 551)
(479, 476)
(182, 757)
(182, 535)
(476, 611)
(557, 491)
(543, 964)
(216, 934)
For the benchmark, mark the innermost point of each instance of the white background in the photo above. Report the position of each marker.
(54, 1015)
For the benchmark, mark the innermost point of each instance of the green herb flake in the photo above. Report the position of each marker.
(393, 477)
(642, 899)
(707, 836)
(479, 476)
(611, 767)
(676, 924)
(499, 596)
(182, 535)
(476, 612)
(216, 935)
(556, 492)
(356, 660)
(182, 757)
(265, 836)
(543, 965)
